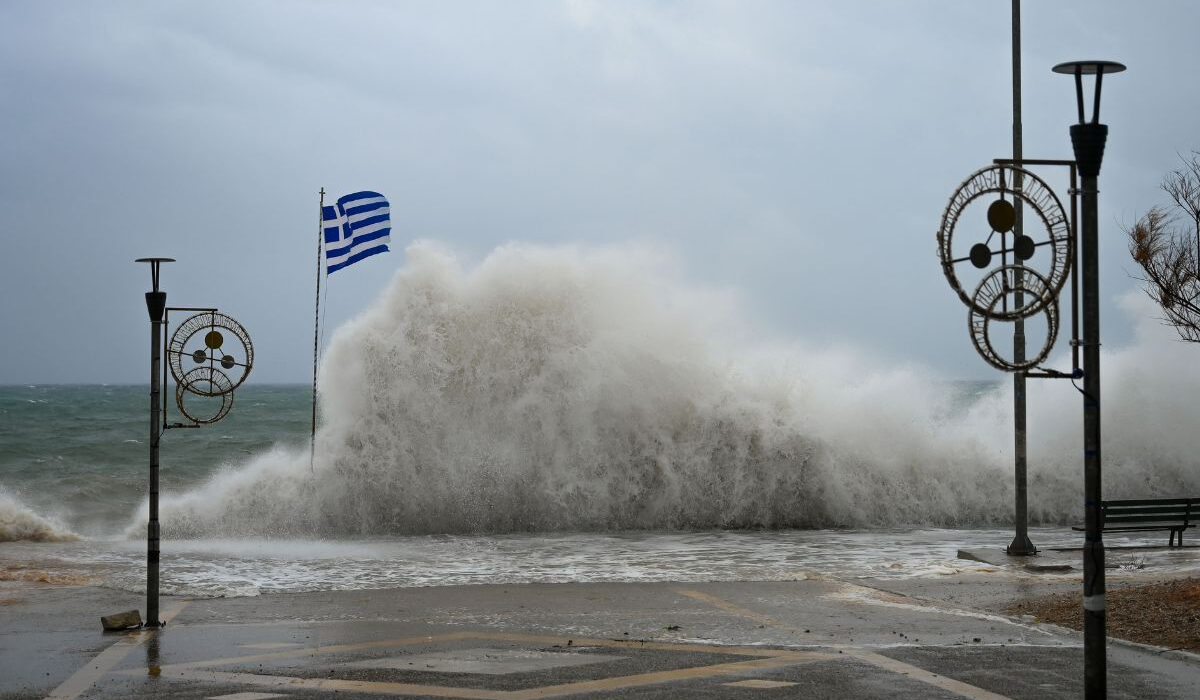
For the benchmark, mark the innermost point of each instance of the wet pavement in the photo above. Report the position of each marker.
(812, 638)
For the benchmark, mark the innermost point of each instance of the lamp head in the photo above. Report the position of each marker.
(1082, 68)
(154, 263)
(1088, 138)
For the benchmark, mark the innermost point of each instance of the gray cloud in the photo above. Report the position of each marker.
(800, 153)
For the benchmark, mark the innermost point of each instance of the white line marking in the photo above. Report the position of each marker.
(83, 679)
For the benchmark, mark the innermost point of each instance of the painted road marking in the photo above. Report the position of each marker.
(758, 683)
(759, 658)
(738, 610)
(488, 661)
(458, 636)
(776, 660)
(878, 660)
(332, 685)
(917, 673)
(86, 677)
(246, 696)
(762, 659)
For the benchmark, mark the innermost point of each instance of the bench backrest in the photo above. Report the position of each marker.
(1153, 510)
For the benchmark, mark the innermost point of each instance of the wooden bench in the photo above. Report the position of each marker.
(1174, 514)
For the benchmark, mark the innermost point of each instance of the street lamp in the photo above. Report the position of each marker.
(156, 304)
(1087, 138)
(209, 378)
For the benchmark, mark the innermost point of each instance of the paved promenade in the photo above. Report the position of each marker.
(815, 638)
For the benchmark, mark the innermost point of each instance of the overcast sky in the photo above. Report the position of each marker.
(799, 153)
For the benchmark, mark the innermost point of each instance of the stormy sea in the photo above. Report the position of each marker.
(563, 415)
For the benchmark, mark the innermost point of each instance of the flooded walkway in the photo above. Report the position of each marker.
(818, 637)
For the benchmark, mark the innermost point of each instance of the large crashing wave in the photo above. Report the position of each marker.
(566, 389)
(18, 522)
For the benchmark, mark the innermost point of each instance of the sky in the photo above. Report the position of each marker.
(797, 153)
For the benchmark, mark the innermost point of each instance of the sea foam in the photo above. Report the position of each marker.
(572, 389)
(18, 522)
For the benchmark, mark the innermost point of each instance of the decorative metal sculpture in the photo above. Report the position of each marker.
(1021, 286)
(994, 292)
(1001, 217)
(201, 339)
(207, 382)
(218, 346)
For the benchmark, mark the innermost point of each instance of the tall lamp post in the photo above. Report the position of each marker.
(1087, 138)
(156, 305)
(205, 350)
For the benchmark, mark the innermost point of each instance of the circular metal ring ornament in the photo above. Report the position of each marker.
(996, 296)
(995, 291)
(207, 382)
(999, 180)
(210, 339)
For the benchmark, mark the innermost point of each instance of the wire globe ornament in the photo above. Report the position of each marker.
(215, 342)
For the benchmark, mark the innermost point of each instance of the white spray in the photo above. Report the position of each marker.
(568, 389)
(19, 522)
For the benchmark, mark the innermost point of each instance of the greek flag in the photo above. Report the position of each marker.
(357, 227)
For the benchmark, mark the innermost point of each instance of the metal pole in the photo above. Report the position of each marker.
(156, 304)
(1088, 140)
(1075, 277)
(152, 536)
(1095, 664)
(1020, 545)
(312, 440)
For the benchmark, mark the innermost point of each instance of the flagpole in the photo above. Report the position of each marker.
(312, 440)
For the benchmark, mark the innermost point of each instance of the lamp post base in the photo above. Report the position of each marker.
(1021, 547)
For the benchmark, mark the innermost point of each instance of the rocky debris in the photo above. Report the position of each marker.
(121, 621)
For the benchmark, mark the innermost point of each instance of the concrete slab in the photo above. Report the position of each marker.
(1046, 561)
(1120, 556)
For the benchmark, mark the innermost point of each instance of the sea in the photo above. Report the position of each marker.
(553, 415)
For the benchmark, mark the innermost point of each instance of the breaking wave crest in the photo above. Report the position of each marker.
(580, 390)
(18, 522)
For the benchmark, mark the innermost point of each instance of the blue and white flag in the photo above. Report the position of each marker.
(357, 227)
